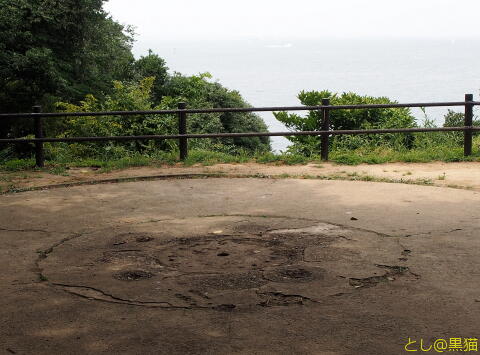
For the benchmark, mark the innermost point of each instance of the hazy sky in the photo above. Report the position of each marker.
(282, 19)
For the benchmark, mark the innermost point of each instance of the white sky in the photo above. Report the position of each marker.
(292, 19)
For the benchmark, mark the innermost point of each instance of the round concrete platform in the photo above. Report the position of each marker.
(216, 266)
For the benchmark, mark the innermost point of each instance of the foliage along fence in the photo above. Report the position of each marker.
(323, 131)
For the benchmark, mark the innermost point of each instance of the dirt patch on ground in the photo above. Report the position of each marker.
(464, 175)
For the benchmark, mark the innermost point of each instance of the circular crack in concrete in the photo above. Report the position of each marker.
(230, 262)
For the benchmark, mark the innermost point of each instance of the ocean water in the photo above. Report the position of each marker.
(272, 73)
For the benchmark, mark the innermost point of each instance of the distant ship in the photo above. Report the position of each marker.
(286, 45)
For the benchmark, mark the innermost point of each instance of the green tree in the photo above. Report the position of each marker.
(199, 92)
(62, 50)
(54, 50)
(346, 119)
(456, 119)
(133, 96)
(152, 65)
(129, 96)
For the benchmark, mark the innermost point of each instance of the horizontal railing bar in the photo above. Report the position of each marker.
(246, 134)
(225, 110)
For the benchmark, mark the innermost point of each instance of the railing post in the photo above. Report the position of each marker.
(467, 135)
(39, 152)
(325, 127)
(182, 129)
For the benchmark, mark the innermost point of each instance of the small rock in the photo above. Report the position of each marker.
(354, 219)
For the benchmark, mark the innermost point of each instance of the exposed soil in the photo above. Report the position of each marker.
(458, 175)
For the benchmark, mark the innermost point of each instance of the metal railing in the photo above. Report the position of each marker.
(324, 126)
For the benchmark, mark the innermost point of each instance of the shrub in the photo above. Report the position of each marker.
(346, 120)
(137, 96)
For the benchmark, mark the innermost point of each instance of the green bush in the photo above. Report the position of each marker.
(135, 96)
(199, 92)
(346, 120)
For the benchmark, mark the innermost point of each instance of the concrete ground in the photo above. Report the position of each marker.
(237, 266)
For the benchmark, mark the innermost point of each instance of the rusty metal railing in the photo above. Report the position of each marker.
(324, 132)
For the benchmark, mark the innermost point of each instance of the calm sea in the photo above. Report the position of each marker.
(269, 73)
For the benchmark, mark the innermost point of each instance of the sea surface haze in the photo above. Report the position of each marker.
(272, 73)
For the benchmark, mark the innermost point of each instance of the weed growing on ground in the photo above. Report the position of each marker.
(58, 170)
(207, 157)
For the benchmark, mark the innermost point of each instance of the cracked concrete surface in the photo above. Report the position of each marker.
(231, 267)
(244, 266)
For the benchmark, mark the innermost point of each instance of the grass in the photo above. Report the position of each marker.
(205, 157)
(18, 165)
(357, 177)
(13, 170)
(386, 155)
(59, 170)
